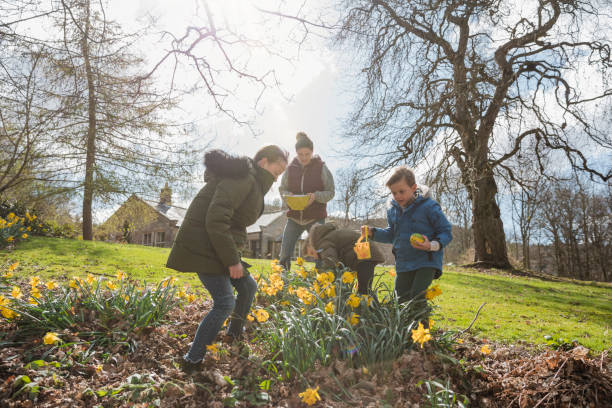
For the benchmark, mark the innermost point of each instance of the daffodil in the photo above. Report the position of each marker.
(51, 338)
(24, 236)
(348, 277)
(73, 284)
(460, 341)
(10, 239)
(430, 323)
(261, 315)
(353, 319)
(99, 368)
(330, 290)
(213, 348)
(191, 298)
(329, 308)
(250, 317)
(12, 267)
(353, 301)
(35, 292)
(32, 301)
(51, 285)
(302, 272)
(310, 396)
(34, 281)
(285, 303)
(168, 281)
(90, 279)
(433, 292)
(16, 292)
(121, 275)
(486, 349)
(111, 285)
(299, 261)
(421, 335)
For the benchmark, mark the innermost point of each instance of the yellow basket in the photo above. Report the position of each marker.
(297, 202)
(362, 249)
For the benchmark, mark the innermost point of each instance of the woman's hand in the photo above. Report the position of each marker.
(236, 271)
(311, 198)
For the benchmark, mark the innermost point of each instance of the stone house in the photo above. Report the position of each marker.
(144, 222)
(265, 236)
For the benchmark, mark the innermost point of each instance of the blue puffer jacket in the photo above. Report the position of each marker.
(424, 216)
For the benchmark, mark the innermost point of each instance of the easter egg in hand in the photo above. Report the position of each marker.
(417, 238)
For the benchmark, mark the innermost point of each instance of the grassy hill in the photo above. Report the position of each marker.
(518, 309)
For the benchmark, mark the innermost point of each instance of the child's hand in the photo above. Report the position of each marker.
(363, 230)
(423, 246)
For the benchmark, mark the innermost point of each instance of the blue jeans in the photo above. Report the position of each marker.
(291, 234)
(220, 288)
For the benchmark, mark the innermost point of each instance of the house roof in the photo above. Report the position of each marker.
(169, 211)
(264, 221)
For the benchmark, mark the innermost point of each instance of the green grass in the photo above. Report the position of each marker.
(517, 308)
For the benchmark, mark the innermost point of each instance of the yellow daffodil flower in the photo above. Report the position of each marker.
(111, 285)
(353, 319)
(310, 396)
(353, 301)
(348, 277)
(486, 349)
(299, 261)
(72, 284)
(16, 292)
(261, 315)
(421, 335)
(51, 285)
(213, 348)
(34, 281)
(51, 338)
(121, 275)
(433, 292)
(35, 293)
(24, 236)
(329, 308)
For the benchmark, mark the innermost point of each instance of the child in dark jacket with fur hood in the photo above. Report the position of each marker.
(331, 245)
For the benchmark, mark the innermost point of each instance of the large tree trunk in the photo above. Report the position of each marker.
(91, 135)
(489, 237)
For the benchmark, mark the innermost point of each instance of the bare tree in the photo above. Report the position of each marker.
(467, 83)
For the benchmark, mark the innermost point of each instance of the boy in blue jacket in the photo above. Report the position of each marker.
(416, 263)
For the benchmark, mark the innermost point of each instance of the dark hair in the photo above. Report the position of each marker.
(273, 153)
(303, 141)
(402, 173)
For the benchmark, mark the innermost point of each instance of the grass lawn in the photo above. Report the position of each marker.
(517, 308)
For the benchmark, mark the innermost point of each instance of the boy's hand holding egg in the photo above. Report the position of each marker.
(420, 241)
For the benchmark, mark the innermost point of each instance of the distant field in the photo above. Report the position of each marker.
(518, 309)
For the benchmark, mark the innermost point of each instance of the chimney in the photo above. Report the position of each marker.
(165, 195)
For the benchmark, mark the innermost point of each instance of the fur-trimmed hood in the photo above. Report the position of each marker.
(223, 164)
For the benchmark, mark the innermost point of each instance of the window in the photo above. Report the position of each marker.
(146, 239)
(160, 238)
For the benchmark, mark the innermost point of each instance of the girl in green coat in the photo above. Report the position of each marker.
(214, 228)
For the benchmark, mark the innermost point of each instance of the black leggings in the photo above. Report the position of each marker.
(365, 275)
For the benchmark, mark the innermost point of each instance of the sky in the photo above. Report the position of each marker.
(311, 96)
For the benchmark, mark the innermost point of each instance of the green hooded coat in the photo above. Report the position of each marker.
(335, 245)
(214, 227)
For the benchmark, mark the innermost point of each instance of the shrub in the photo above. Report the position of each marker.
(102, 310)
(317, 317)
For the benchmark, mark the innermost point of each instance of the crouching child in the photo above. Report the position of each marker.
(330, 245)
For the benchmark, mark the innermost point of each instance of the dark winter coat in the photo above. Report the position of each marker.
(214, 227)
(335, 245)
